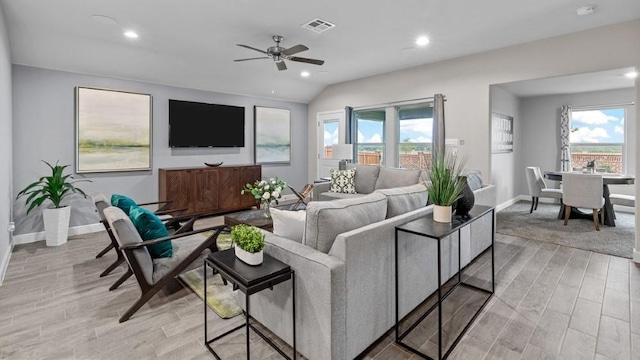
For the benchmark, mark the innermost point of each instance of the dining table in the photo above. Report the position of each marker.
(608, 215)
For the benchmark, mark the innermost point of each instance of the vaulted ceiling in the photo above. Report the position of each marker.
(192, 43)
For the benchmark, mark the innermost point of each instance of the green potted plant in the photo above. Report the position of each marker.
(249, 243)
(445, 184)
(54, 188)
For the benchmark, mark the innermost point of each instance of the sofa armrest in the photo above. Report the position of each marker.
(319, 188)
(320, 300)
(486, 195)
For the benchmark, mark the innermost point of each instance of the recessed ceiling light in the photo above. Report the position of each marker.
(422, 41)
(305, 74)
(585, 10)
(131, 34)
(632, 74)
(103, 19)
(273, 91)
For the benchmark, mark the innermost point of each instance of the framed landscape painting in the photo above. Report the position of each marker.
(113, 130)
(272, 135)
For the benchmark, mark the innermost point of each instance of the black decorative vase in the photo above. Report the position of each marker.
(465, 203)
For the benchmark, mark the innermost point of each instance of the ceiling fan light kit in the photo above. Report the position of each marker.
(279, 54)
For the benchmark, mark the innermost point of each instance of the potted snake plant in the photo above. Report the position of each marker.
(53, 188)
(445, 184)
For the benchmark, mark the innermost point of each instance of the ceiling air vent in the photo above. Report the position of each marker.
(318, 25)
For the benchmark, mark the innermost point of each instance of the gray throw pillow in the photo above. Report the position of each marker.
(474, 179)
(327, 219)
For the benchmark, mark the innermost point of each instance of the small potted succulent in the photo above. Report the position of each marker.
(54, 188)
(248, 243)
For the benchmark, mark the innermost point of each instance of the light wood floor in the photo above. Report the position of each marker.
(551, 302)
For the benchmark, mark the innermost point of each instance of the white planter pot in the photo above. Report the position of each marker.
(247, 257)
(442, 214)
(56, 225)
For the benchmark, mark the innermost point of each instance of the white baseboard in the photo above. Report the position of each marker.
(39, 236)
(510, 202)
(4, 264)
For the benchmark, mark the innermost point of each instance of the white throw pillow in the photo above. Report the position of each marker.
(289, 224)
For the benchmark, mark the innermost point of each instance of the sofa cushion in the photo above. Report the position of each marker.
(366, 177)
(391, 178)
(289, 224)
(343, 181)
(328, 196)
(150, 227)
(125, 203)
(404, 199)
(327, 219)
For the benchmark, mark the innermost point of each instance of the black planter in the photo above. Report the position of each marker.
(465, 203)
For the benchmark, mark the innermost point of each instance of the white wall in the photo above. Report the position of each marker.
(6, 160)
(503, 165)
(541, 118)
(44, 123)
(465, 81)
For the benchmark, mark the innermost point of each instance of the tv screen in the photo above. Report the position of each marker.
(194, 124)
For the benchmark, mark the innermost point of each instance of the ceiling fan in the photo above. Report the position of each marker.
(279, 54)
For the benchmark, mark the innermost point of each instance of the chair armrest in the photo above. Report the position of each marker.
(165, 212)
(155, 203)
(320, 188)
(172, 237)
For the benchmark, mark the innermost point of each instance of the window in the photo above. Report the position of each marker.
(369, 146)
(598, 135)
(330, 137)
(415, 135)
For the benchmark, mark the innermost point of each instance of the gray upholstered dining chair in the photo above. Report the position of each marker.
(538, 187)
(582, 191)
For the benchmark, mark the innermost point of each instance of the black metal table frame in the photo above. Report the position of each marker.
(441, 297)
(267, 283)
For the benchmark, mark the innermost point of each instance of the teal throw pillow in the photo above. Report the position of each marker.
(151, 227)
(123, 202)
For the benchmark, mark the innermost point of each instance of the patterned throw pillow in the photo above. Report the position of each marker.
(343, 181)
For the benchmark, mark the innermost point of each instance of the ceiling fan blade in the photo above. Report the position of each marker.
(306, 60)
(281, 65)
(256, 58)
(252, 48)
(295, 49)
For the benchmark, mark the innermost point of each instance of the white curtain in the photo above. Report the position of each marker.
(565, 132)
(438, 125)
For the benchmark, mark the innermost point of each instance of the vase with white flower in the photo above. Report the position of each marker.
(265, 191)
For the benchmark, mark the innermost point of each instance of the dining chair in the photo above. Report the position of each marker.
(582, 191)
(538, 187)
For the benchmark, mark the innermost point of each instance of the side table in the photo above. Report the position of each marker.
(250, 280)
(436, 231)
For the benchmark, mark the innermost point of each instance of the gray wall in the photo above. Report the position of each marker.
(6, 160)
(44, 124)
(540, 123)
(503, 165)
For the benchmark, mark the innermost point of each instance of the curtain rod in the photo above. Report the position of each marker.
(393, 103)
(588, 107)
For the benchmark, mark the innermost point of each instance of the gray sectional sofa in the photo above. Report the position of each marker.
(344, 266)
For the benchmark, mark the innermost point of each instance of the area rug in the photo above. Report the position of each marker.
(220, 298)
(543, 225)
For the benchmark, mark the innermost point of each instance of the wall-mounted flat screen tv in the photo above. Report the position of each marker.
(195, 124)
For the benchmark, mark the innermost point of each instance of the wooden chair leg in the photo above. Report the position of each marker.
(533, 203)
(138, 304)
(112, 267)
(596, 219)
(104, 251)
(121, 280)
(567, 212)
